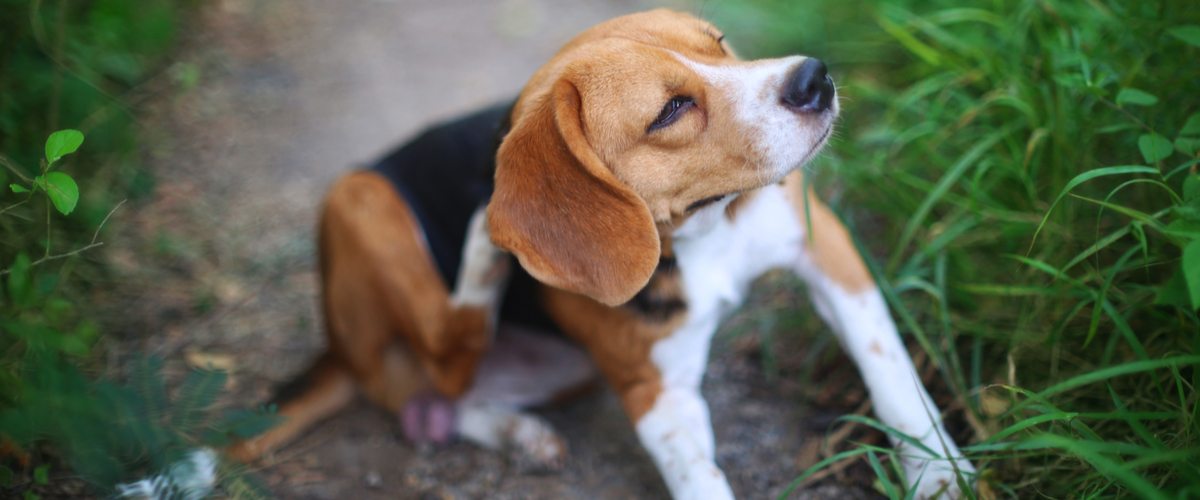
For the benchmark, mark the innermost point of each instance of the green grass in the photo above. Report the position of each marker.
(970, 128)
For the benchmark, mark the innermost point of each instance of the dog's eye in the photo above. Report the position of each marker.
(675, 108)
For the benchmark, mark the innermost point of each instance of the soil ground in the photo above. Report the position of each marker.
(218, 265)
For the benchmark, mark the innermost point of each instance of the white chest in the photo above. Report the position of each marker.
(719, 258)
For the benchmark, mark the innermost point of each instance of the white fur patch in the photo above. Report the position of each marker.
(484, 269)
(499, 427)
(192, 478)
(684, 459)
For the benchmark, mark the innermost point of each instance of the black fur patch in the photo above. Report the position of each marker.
(662, 297)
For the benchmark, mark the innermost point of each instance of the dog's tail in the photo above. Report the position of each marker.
(323, 390)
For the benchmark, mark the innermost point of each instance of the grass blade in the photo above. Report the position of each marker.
(1082, 178)
(967, 160)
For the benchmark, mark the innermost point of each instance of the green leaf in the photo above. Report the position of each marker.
(245, 424)
(29, 495)
(888, 487)
(1154, 147)
(1110, 372)
(1175, 292)
(1094, 455)
(6, 475)
(41, 475)
(1187, 212)
(1070, 80)
(64, 193)
(1135, 97)
(17, 188)
(1184, 228)
(73, 346)
(818, 466)
(1097, 312)
(1192, 127)
(910, 42)
(892, 432)
(61, 143)
(1188, 145)
(199, 391)
(1191, 187)
(967, 160)
(1030, 422)
(1191, 271)
(1143, 217)
(1084, 177)
(87, 331)
(146, 379)
(1189, 33)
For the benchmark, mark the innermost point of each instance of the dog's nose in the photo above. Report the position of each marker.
(809, 89)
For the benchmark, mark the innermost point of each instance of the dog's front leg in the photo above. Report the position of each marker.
(847, 298)
(677, 430)
(678, 435)
(655, 366)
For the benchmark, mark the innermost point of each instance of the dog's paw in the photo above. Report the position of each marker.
(497, 427)
(937, 479)
(536, 442)
(427, 418)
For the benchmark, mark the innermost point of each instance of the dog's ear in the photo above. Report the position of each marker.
(562, 212)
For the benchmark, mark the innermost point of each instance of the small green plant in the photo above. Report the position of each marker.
(60, 188)
(117, 433)
(105, 432)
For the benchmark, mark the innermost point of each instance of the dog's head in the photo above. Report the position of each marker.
(638, 124)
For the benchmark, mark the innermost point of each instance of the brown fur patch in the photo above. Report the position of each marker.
(562, 213)
(619, 341)
(832, 249)
(380, 282)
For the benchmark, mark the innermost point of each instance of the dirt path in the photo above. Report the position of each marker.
(220, 261)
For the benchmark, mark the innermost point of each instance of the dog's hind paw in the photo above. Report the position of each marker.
(535, 440)
(531, 437)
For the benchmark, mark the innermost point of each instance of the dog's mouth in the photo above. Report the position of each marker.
(818, 145)
(704, 203)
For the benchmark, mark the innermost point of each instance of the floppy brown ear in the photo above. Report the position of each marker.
(563, 213)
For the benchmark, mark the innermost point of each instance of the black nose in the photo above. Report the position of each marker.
(809, 90)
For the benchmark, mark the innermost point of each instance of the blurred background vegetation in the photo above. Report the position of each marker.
(1022, 171)
(84, 65)
(967, 128)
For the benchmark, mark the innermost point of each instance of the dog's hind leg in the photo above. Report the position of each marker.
(326, 388)
(523, 369)
(411, 343)
(369, 233)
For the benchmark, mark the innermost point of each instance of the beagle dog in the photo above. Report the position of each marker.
(642, 180)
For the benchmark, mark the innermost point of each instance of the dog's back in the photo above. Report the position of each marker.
(444, 175)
